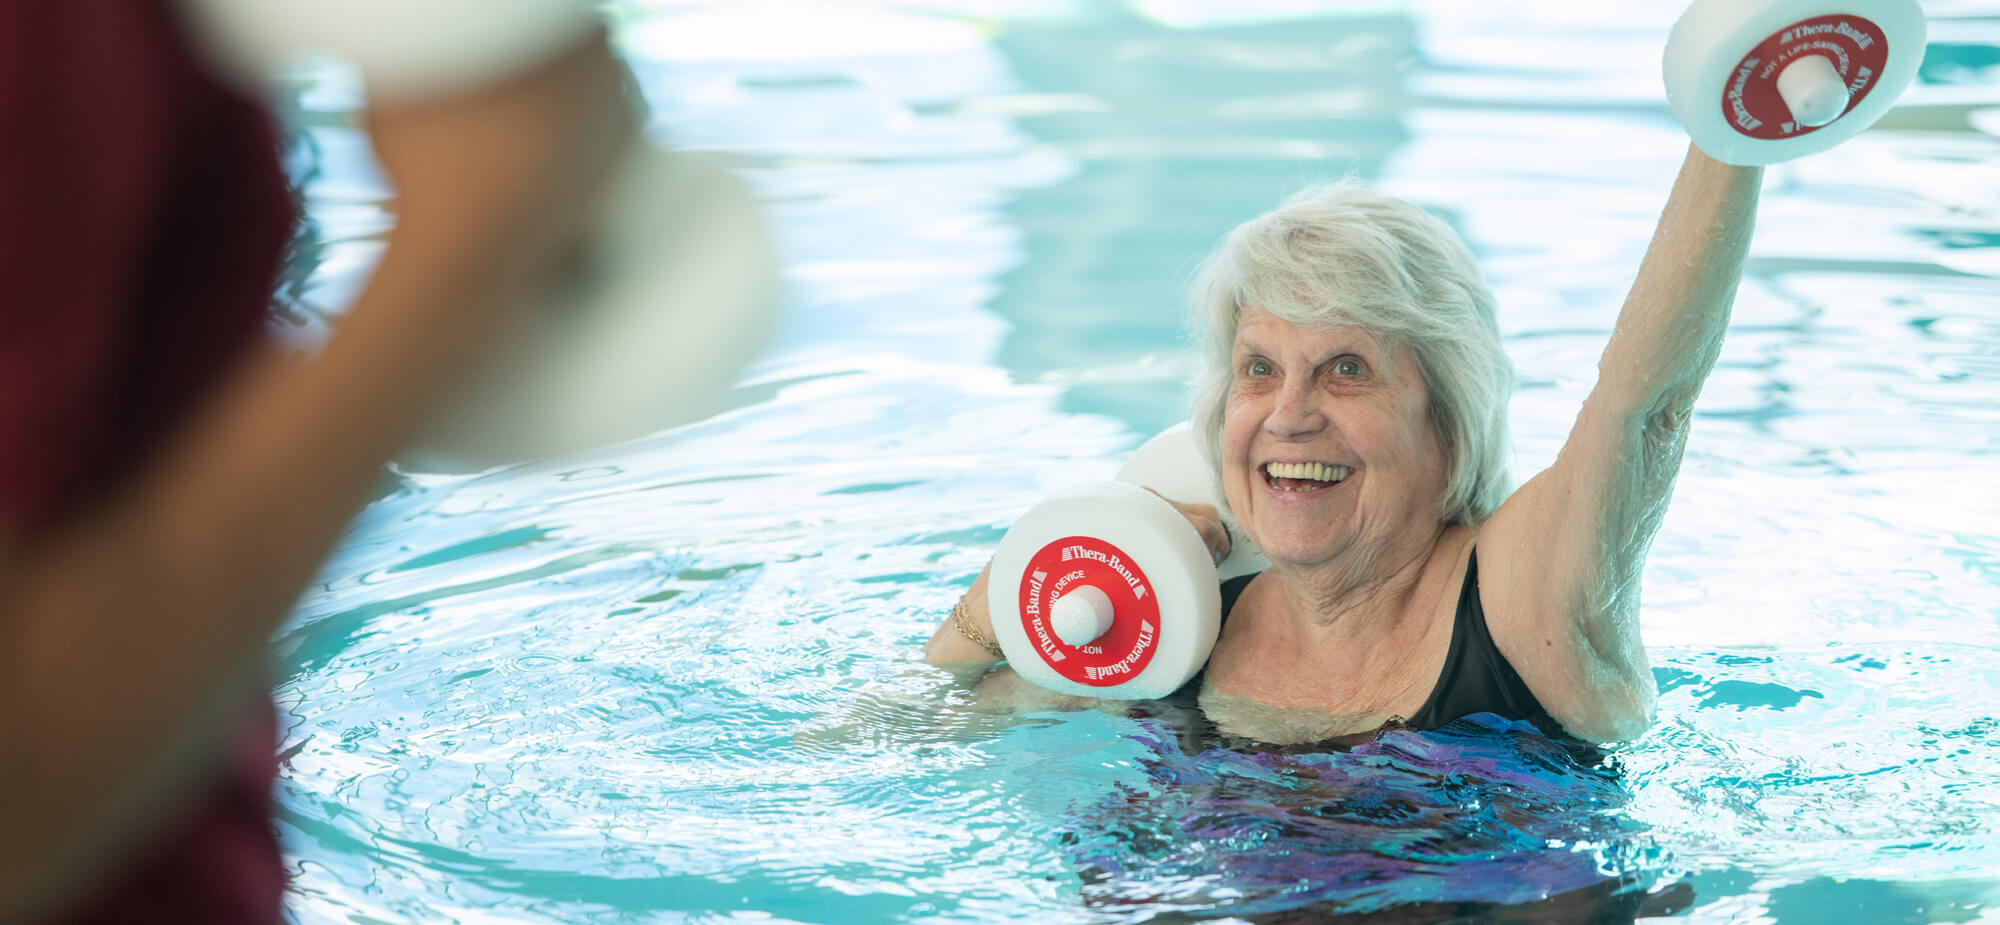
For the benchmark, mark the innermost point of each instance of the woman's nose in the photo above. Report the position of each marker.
(1296, 415)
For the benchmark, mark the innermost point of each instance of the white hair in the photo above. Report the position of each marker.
(1341, 254)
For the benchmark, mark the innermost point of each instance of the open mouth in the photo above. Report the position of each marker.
(1304, 476)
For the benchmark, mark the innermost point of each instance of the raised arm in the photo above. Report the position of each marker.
(1670, 331)
(130, 631)
(1560, 561)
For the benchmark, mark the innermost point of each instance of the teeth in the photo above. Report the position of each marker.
(1312, 471)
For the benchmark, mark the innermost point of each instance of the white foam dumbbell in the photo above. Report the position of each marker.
(678, 282)
(1105, 590)
(1762, 81)
(681, 293)
(1172, 464)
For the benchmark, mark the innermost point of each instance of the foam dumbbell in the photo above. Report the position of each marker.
(1172, 464)
(1757, 83)
(675, 288)
(681, 293)
(1105, 590)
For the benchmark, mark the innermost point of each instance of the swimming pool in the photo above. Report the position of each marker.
(678, 680)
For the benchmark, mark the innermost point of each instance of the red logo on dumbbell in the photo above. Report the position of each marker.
(1088, 591)
(1835, 52)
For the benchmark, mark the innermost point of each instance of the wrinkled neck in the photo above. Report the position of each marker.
(1362, 597)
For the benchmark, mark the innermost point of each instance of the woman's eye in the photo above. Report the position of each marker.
(1258, 368)
(1348, 366)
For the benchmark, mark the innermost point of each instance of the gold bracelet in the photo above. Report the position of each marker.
(961, 618)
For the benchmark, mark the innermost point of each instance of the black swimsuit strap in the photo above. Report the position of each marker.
(1476, 678)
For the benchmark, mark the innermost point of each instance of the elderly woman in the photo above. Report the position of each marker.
(1355, 408)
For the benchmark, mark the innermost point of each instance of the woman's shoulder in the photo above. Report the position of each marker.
(1541, 636)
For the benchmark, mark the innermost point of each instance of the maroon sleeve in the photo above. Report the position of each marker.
(142, 216)
(143, 213)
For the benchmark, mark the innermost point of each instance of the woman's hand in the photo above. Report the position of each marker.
(1207, 521)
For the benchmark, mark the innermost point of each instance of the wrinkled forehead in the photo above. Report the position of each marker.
(1261, 331)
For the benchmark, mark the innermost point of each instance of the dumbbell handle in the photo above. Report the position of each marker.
(1082, 615)
(1813, 90)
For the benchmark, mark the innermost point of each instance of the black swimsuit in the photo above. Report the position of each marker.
(1476, 677)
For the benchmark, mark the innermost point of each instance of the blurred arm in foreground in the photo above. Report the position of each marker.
(135, 602)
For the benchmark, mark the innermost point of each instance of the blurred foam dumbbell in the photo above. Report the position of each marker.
(1762, 82)
(679, 293)
(1105, 590)
(675, 288)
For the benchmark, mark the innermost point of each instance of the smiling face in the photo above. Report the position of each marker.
(1327, 442)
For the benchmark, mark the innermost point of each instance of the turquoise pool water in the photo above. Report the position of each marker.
(677, 680)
